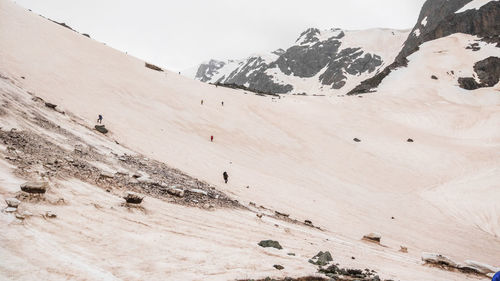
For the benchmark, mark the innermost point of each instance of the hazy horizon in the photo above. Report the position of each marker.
(180, 35)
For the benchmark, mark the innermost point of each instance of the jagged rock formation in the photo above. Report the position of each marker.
(488, 72)
(319, 60)
(440, 18)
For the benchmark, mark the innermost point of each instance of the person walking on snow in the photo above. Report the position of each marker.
(211, 138)
(496, 277)
(226, 176)
(222, 103)
(201, 102)
(99, 119)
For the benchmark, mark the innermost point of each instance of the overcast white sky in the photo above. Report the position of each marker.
(180, 34)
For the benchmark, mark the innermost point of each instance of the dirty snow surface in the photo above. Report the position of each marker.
(289, 159)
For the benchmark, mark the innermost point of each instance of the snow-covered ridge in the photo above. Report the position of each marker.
(320, 62)
(474, 5)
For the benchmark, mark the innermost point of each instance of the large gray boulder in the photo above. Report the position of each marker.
(270, 244)
(101, 129)
(321, 258)
(133, 198)
(35, 187)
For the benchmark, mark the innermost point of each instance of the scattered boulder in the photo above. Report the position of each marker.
(20, 216)
(278, 267)
(410, 140)
(108, 175)
(50, 215)
(50, 105)
(101, 129)
(308, 222)
(438, 259)
(434, 77)
(482, 267)
(279, 214)
(34, 187)
(133, 198)
(86, 35)
(270, 244)
(259, 215)
(356, 140)
(291, 254)
(12, 202)
(403, 249)
(373, 237)
(321, 258)
(153, 67)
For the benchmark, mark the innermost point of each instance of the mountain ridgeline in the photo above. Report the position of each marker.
(318, 61)
(352, 62)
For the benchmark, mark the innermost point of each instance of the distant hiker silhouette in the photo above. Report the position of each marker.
(496, 277)
(222, 103)
(99, 119)
(212, 138)
(226, 176)
(201, 102)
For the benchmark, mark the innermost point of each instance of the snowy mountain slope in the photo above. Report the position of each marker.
(294, 155)
(440, 18)
(320, 62)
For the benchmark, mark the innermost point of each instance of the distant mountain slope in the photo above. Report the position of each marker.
(438, 19)
(320, 61)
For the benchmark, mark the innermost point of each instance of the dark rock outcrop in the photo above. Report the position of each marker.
(101, 129)
(270, 244)
(440, 21)
(468, 83)
(321, 258)
(488, 71)
(35, 187)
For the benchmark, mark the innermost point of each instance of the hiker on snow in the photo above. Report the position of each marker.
(496, 277)
(226, 176)
(211, 138)
(99, 119)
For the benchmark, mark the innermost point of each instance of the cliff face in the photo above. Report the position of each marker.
(440, 18)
